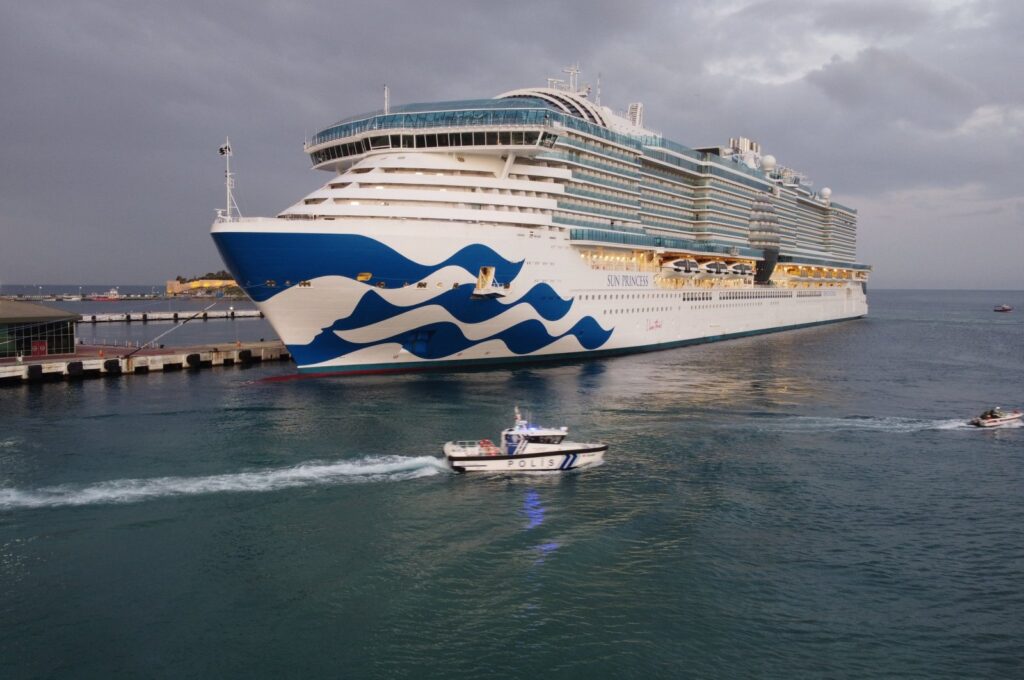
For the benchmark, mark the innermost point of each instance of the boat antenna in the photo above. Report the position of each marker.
(229, 183)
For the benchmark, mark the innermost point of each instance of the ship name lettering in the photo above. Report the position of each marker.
(628, 280)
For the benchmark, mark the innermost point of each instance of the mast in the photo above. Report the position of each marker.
(229, 181)
(574, 77)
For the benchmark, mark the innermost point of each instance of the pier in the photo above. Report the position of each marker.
(128, 317)
(96, 362)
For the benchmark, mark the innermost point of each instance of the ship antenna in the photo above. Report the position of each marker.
(574, 77)
(598, 88)
(387, 100)
(229, 182)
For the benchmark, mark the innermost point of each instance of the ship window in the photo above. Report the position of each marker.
(492, 138)
(467, 139)
(504, 138)
(396, 141)
(420, 141)
(442, 140)
(546, 439)
(478, 138)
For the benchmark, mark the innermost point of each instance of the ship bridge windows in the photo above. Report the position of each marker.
(426, 141)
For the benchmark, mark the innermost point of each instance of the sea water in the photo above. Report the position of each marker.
(803, 504)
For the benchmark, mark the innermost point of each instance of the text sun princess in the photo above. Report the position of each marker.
(538, 225)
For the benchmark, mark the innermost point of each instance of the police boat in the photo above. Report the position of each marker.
(524, 448)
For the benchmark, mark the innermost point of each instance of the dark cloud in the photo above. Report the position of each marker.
(112, 110)
(904, 88)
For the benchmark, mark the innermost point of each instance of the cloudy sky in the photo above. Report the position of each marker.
(111, 112)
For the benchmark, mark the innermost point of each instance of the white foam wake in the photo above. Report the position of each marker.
(369, 469)
(796, 424)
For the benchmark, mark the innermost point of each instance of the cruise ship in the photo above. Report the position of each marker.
(535, 226)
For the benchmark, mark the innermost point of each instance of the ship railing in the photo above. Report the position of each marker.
(236, 218)
(467, 447)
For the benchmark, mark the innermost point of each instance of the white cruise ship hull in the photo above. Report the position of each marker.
(350, 298)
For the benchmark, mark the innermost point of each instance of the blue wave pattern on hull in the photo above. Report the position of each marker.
(288, 258)
(443, 339)
(373, 308)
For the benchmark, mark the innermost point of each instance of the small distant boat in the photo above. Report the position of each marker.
(994, 417)
(1002, 308)
(524, 448)
(110, 296)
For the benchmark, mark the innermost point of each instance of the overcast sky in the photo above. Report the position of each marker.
(111, 113)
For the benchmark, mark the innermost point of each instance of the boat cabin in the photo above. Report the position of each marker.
(515, 440)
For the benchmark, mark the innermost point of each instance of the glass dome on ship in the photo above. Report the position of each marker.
(538, 225)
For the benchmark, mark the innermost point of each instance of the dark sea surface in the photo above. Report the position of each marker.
(804, 504)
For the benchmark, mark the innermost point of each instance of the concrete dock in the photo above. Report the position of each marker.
(96, 362)
(123, 317)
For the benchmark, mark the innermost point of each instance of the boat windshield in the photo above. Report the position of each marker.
(546, 438)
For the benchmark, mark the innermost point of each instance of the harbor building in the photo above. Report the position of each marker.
(199, 287)
(28, 329)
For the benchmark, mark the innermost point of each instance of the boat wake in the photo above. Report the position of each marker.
(368, 469)
(797, 424)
